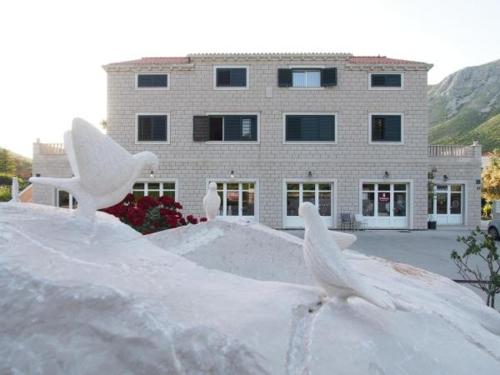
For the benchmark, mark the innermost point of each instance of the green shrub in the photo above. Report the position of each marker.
(4, 193)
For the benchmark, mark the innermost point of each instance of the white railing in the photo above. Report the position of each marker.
(51, 148)
(450, 151)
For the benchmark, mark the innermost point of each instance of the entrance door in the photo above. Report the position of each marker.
(448, 204)
(237, 199)
(318, 193)
(385, 205)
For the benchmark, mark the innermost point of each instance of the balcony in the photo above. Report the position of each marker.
(51, 149)
(453, 151)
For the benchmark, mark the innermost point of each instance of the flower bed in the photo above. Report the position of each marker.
(148, 215)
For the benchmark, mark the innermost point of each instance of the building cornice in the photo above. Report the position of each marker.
(388, 67)
(242, 57)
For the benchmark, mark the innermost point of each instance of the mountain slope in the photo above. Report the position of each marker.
(463, 103)
(14, 164)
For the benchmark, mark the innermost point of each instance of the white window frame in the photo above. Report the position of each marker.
(306, 67)
(235, 114)
(387, 143)
(465, 191)
(161, 181)
(247, 67)
(285, 142)
(152, 88)
(167, 142)
(409, 192)
(331, 181)
(386, 87)
(254, 181)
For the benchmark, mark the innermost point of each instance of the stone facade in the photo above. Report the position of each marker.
(270, 161)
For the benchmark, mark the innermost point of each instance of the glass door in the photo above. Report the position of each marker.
(385, 205)
(448, 204)
(237, 199)
(318, 193)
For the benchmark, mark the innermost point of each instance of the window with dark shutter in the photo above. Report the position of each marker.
(310, 128)
(329, 77)
(152, 128)
(231, 77)
(231, 128)
(385, 80)
(152, 80)
(200, 128)
(285, 77)
(386, 128)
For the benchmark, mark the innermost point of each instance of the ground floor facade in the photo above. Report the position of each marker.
(384, 195)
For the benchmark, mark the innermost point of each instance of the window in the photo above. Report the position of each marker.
(226, 128)
(309, 128)
(237, 198)
(152, 128)
(307, 77)
(318, 193)
(383, 80)
(152, 81)
(65, 200)
(231, 77)
(154, 189)
(384, 200)
(386, 128)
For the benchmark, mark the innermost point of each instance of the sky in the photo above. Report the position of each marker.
(52, 51)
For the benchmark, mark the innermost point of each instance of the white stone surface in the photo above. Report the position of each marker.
(107, 300)
(211, 201)
(14, 190)
(103, 171)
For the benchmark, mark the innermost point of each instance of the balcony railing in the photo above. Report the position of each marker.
(450, 151)
(51, 148)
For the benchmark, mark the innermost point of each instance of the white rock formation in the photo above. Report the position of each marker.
(104, 172)
(121, 305)
(211, 201)
(328, 265)
(15, 190)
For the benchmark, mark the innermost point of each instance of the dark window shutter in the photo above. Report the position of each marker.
(392, 129)
(285, 77)
(328, 77)
(152, 80)
(238, 77)
(223, 77)
(386, 80)
(200, 128)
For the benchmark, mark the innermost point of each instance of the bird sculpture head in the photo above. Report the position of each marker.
(309, 213)
(212, 186)
(149, 160)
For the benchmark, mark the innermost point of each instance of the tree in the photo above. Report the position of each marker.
(484, 248)
(491, 178)
(7, 164)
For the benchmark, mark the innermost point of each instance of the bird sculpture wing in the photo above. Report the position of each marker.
(70, 153)
(102, 164)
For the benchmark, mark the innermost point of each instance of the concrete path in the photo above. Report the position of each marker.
(425, 249)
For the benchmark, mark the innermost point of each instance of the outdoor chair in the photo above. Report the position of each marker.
(346, 222)
(359, 222)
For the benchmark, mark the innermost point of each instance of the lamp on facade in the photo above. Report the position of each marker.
(152, 174)
(386, 174)
(445, 177)
(232, 174)
(309, 174)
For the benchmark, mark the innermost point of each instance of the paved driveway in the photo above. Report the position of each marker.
(425, 249)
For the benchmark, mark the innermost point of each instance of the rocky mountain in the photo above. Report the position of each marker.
(465, 106)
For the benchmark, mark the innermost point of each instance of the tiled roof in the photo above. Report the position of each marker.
(379, 60)
(155, 60)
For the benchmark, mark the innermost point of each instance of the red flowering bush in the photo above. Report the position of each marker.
(148, 215)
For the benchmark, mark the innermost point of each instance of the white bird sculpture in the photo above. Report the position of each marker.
(328, 265)
(211, 201)
(103, 171)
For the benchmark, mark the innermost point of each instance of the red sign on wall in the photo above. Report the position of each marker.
(384, 197)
